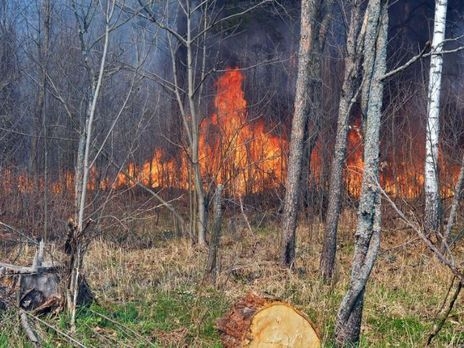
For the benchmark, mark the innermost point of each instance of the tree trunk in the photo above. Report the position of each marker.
(211, 267)
(350, 88)
(432, 199)
(367, 237)
(255, 321)
(310, 11)
(83, 157)
(454, 208)
(195, 141)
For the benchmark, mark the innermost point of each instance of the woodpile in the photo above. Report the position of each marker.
(255, 321)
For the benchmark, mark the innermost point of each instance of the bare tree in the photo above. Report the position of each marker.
(432, 199)
(310, 29)
(9, 76)
(367, 237)
(190, 43)
(83, 166)
(350, 91)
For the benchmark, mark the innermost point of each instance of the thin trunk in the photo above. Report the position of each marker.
(314, 118)
(432, 199)
(454, 207)
(301, 108)
(350, 88)
(315, 20)
(212, 264)
(84, 164)
(44, 58)
(367, 237)
(198, 182)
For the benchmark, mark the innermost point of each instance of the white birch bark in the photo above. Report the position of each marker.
(433, 121)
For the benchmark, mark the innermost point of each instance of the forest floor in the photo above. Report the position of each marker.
(156, 296)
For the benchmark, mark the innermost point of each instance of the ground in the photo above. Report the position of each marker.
(156, 296)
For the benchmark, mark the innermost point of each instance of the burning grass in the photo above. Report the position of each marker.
(155, 296)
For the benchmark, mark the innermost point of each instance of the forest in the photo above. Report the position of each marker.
(227, 173)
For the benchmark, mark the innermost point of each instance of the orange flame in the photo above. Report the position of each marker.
(242, 154)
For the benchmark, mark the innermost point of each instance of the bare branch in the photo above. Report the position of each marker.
(443, 259)
(408, 63)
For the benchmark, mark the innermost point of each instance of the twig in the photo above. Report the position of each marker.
(31, 335)
(408, 63)
(438, 326)
(441, 257)
(22, 234)
(244, 215)
(135, 333)
(58, 331)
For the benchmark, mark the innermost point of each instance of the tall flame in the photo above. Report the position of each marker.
(242, 154)
(233, 151)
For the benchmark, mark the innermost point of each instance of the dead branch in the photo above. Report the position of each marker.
(416, 228)
(72, 340)
(244, 215)
(444, 313)
(30, 333)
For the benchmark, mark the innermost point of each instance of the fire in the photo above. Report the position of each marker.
(242, 154)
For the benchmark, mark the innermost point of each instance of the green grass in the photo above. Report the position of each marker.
(156, 297)
(3, 341)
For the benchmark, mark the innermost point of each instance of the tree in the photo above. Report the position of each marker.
(312, 11)
(432, 199)
(189, 44)
(83, 164)
(367, 237)
(9, 76)
(350, 91)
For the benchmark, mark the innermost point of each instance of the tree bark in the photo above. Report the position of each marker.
(211, 267)
(83, 164)
(454, 207)
(367, 237)
(432, 199)
(310, 16)
(314, 118)
(350, 88)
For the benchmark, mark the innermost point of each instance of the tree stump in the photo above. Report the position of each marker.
(38, 288)
(259, 322)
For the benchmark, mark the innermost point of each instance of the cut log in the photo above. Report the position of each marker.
(255, 321)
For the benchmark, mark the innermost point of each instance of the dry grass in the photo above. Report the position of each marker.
(408, 283)
(403, 295)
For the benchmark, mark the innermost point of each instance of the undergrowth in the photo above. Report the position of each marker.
(156, 296)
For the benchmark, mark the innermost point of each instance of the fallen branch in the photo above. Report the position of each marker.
(31, 335)
(444, 313)
(72, 340)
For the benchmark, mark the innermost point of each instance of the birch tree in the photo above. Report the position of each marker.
(310, 28)
(367, 236)
(350, 89)
(432, 199)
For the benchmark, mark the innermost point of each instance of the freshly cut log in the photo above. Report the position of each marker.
(255, 321)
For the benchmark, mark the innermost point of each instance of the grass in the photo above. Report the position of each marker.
(155, 296)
